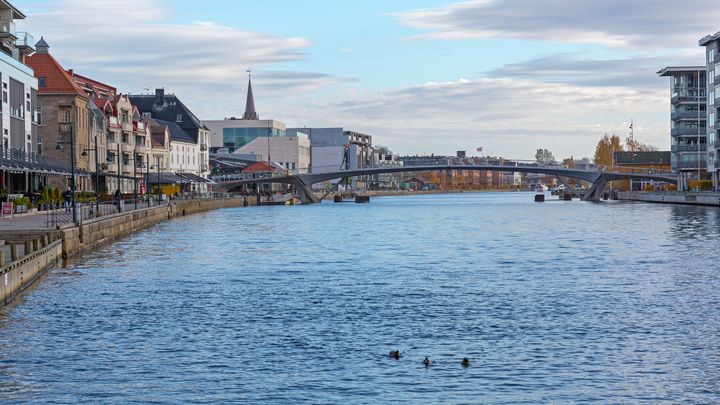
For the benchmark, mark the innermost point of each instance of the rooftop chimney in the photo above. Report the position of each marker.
(159, 96)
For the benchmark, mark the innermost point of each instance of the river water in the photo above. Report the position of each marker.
(560, 301)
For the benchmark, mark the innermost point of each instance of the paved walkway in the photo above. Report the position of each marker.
(50, 219)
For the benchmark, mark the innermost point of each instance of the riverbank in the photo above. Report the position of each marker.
(672, 197)
(31, 252)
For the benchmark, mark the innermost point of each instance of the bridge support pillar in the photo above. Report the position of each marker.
(596, 190)
(305, 193)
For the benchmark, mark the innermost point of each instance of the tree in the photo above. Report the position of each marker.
(605, 149)
(569, 162)
(633, 145)
(544, 157)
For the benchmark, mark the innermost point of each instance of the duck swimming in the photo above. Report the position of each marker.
(395, 354)
(427, 361)
(465, 362)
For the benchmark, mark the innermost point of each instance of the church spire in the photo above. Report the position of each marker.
(250, 113)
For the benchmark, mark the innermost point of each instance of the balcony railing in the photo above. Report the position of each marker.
(689, 165)
(203, 147)
(688, 148)
(24, 40)
(687, 114)
(688, 131)
(7, 28)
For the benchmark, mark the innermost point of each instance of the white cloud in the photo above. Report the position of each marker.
(506, 116)
(132, 46)
(618, 23)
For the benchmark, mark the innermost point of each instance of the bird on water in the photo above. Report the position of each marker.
(395, 354)
(465, 362)
(427, 361)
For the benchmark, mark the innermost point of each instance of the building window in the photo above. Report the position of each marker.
(42, 81)
(711, 55)
(147, 115)
(178, 118)
(124, 117)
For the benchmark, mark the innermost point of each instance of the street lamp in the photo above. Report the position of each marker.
(97, 175)
(66, 128)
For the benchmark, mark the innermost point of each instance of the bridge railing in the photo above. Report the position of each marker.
(635, 170)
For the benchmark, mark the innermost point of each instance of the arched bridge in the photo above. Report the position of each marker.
(597, 178)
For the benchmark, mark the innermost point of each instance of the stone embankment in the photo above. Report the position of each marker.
(27, 254)
(672, 197)
(30, 254)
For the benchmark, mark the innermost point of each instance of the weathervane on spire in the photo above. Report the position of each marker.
(250, 113)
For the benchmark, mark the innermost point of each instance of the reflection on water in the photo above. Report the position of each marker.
(608, 302)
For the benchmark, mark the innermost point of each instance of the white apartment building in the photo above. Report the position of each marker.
(291, 152)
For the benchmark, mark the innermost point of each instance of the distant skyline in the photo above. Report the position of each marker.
(421, 76)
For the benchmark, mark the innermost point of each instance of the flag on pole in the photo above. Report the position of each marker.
(479, 149)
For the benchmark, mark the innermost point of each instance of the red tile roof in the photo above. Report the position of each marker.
(57, 80)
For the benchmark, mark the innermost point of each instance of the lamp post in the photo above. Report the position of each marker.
(97, 175)
(66, 128)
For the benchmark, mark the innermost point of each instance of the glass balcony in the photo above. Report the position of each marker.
(689, 165)
(7, 28)
(688, 131)
(687, 148)
(686, 114)
(25, 40)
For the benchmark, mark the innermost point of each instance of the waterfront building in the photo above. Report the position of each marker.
(233, 133)
(61, 101)
(175, 157)
(121, 146)
(425, 160)
(193, 157)
(333, 149)
(712, 58)
(291, 152)
(655, 160)
(23, 169)
(159, 159)
(690, 125)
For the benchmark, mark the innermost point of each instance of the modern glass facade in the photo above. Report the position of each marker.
(235, 138)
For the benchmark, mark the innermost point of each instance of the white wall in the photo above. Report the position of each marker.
(10, 67)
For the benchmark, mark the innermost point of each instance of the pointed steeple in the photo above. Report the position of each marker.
(250, 113)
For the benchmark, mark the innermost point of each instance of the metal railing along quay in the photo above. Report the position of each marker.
(88, 210)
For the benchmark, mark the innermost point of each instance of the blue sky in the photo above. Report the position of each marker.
(421, 76)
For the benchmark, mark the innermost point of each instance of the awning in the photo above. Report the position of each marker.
(194, 178)
(19, 161)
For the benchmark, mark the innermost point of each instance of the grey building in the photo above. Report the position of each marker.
(689, 122)
(712, 48)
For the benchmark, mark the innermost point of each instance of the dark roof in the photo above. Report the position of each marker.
(177, 133)
(168, 110)
(671, 70)
(642, 158)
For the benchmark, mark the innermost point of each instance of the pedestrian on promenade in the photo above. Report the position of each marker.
(68, 196)
(118, 197)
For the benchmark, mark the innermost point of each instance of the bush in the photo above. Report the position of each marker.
(704, 184)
